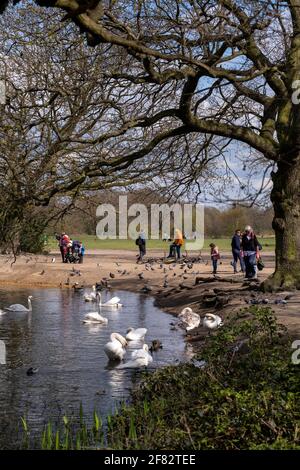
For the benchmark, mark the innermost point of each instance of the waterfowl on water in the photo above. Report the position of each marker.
(91, 296)
(114, 302)
(155, 345)
(20, 307)
(137, 334)
(95, 317)
(139, 358)
(115, 348)
(32, 371)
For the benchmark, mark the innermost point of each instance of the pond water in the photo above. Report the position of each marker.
(72, 366)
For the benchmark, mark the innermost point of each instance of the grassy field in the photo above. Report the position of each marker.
(92, 243)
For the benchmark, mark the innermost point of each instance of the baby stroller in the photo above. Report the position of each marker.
(72, 255)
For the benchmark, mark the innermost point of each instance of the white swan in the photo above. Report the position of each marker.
(139, 358)
(91, 296)
(189, 319)
(137, 334)
(2, 312)
(143, 352)
(114, 302)
(95, 317)
(212, 321)
(115, 348)
(19, 307)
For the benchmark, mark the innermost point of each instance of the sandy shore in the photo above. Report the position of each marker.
(172, 285)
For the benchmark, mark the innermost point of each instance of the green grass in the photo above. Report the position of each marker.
(92, 243)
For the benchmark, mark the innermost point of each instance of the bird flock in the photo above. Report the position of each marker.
(116, 348)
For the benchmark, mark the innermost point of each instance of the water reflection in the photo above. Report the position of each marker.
(72, 365)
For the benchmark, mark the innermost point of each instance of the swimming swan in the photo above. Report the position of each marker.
(143, 352)
(139, 358)
(189, 319)
(19, 307)
(115, 348)
(114, 302)
(136, 334)
(212, 322)
(95, 317)
(91, 296)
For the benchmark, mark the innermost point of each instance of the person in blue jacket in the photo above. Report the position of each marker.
(237, 252)
(81, 253)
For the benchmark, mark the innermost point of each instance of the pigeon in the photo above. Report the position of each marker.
(141, 275)
(53, 260)
(112, 275)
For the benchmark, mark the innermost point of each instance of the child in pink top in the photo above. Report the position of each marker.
(215, 256)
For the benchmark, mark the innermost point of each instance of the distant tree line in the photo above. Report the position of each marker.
(80, 217)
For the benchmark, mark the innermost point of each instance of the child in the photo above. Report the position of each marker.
(215, 256)
(81, 252)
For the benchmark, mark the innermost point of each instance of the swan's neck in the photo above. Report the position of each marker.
(29, 305)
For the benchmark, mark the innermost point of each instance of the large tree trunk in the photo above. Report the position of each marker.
(285, 197)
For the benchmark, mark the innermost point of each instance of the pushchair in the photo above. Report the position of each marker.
(73, 253)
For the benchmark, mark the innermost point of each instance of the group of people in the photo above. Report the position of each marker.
(174, 249)
(72, 251)
(245, 250)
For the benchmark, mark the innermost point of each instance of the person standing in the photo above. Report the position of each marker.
(236, 251)
(215, 256)
(175, 247)
(81, 252)
(250, 252)
(141, 243)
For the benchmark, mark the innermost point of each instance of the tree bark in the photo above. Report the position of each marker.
(285, 197)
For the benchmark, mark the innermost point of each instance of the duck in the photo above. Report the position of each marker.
(155, 345)
(115, 348)
(20, 307)
(212, 321)
(189, 319)
(137, 334)
(32, 371)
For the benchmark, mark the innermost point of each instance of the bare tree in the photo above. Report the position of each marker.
(229, 70)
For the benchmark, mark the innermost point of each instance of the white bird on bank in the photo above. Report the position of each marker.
(115, 348)
(137, 334)
(212, 321)
(189, 319)
(114, 302)
(19, 307)
(91, 296)
(139, 358)
(95, 317)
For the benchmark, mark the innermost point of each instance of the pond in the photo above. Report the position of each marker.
(69, 355)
